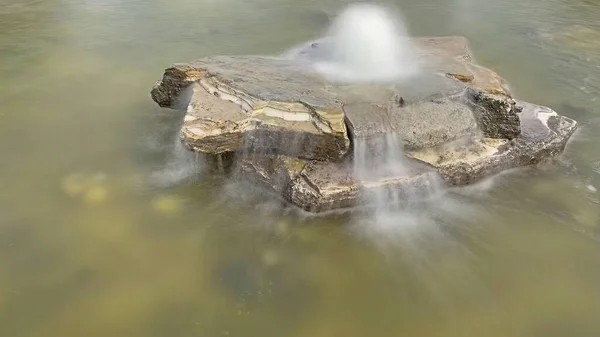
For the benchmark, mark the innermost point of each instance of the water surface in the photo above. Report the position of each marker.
(108, 228)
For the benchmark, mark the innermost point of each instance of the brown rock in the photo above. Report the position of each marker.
(290, 130)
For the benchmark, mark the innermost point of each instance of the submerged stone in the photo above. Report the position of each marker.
(74, 184)
(91, 188)
(291, 129)
(167, 204)
(320, 186)
(265, 284)
(96, 194)
(544, 134)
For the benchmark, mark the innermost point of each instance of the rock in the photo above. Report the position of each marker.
(293, 132)
(276, 172)
(496, 115)
(449, 56)
(422, 119)
(320, 187)
(293, 112)
(462, 78)
(452, 57)
(279, 106)
(257, 104)
(580, 40)
(410, 116)
(452, 98)
(91, 187)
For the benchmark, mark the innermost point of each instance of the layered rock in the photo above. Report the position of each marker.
(544, 134)
(318, 186)
(291, 129)
(255, 104)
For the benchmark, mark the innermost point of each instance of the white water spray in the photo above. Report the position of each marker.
(368, 45)
(181, 165)
(379, 158)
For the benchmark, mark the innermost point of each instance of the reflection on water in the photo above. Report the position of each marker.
(106, 229)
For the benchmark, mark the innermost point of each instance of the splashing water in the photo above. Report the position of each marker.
(379, 157)
(380, 165)
(399, 195)
(181, 165)
(368, 45)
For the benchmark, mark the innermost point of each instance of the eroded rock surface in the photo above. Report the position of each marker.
(544, 134)
(256, 104)
(280, 106)
(293, 131)
(317, 186)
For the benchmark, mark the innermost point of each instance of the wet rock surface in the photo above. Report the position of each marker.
(294, 132)
(255, 104)
(544, 134)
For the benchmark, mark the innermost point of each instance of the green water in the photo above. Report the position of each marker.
(107, 229)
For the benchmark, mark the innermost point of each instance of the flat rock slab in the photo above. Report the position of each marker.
(281, 106)
(256, 104)
(451, 98)
(319, 187)
(297, 133)
(544, 135)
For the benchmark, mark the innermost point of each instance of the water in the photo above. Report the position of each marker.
(395, 214)
(380, 157)
(132, 256)
(369, 44)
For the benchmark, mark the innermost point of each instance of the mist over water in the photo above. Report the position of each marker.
(379, 158)
(394, 214)
(511, 256)
(181, 164)
(369, 44)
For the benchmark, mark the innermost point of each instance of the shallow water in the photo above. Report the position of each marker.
(107, 228)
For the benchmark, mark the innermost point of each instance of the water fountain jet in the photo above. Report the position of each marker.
(368, 44)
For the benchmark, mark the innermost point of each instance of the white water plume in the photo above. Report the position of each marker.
(181, 165)
(394, 189)
(380, 165)
(380, 157)
(369, 44)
